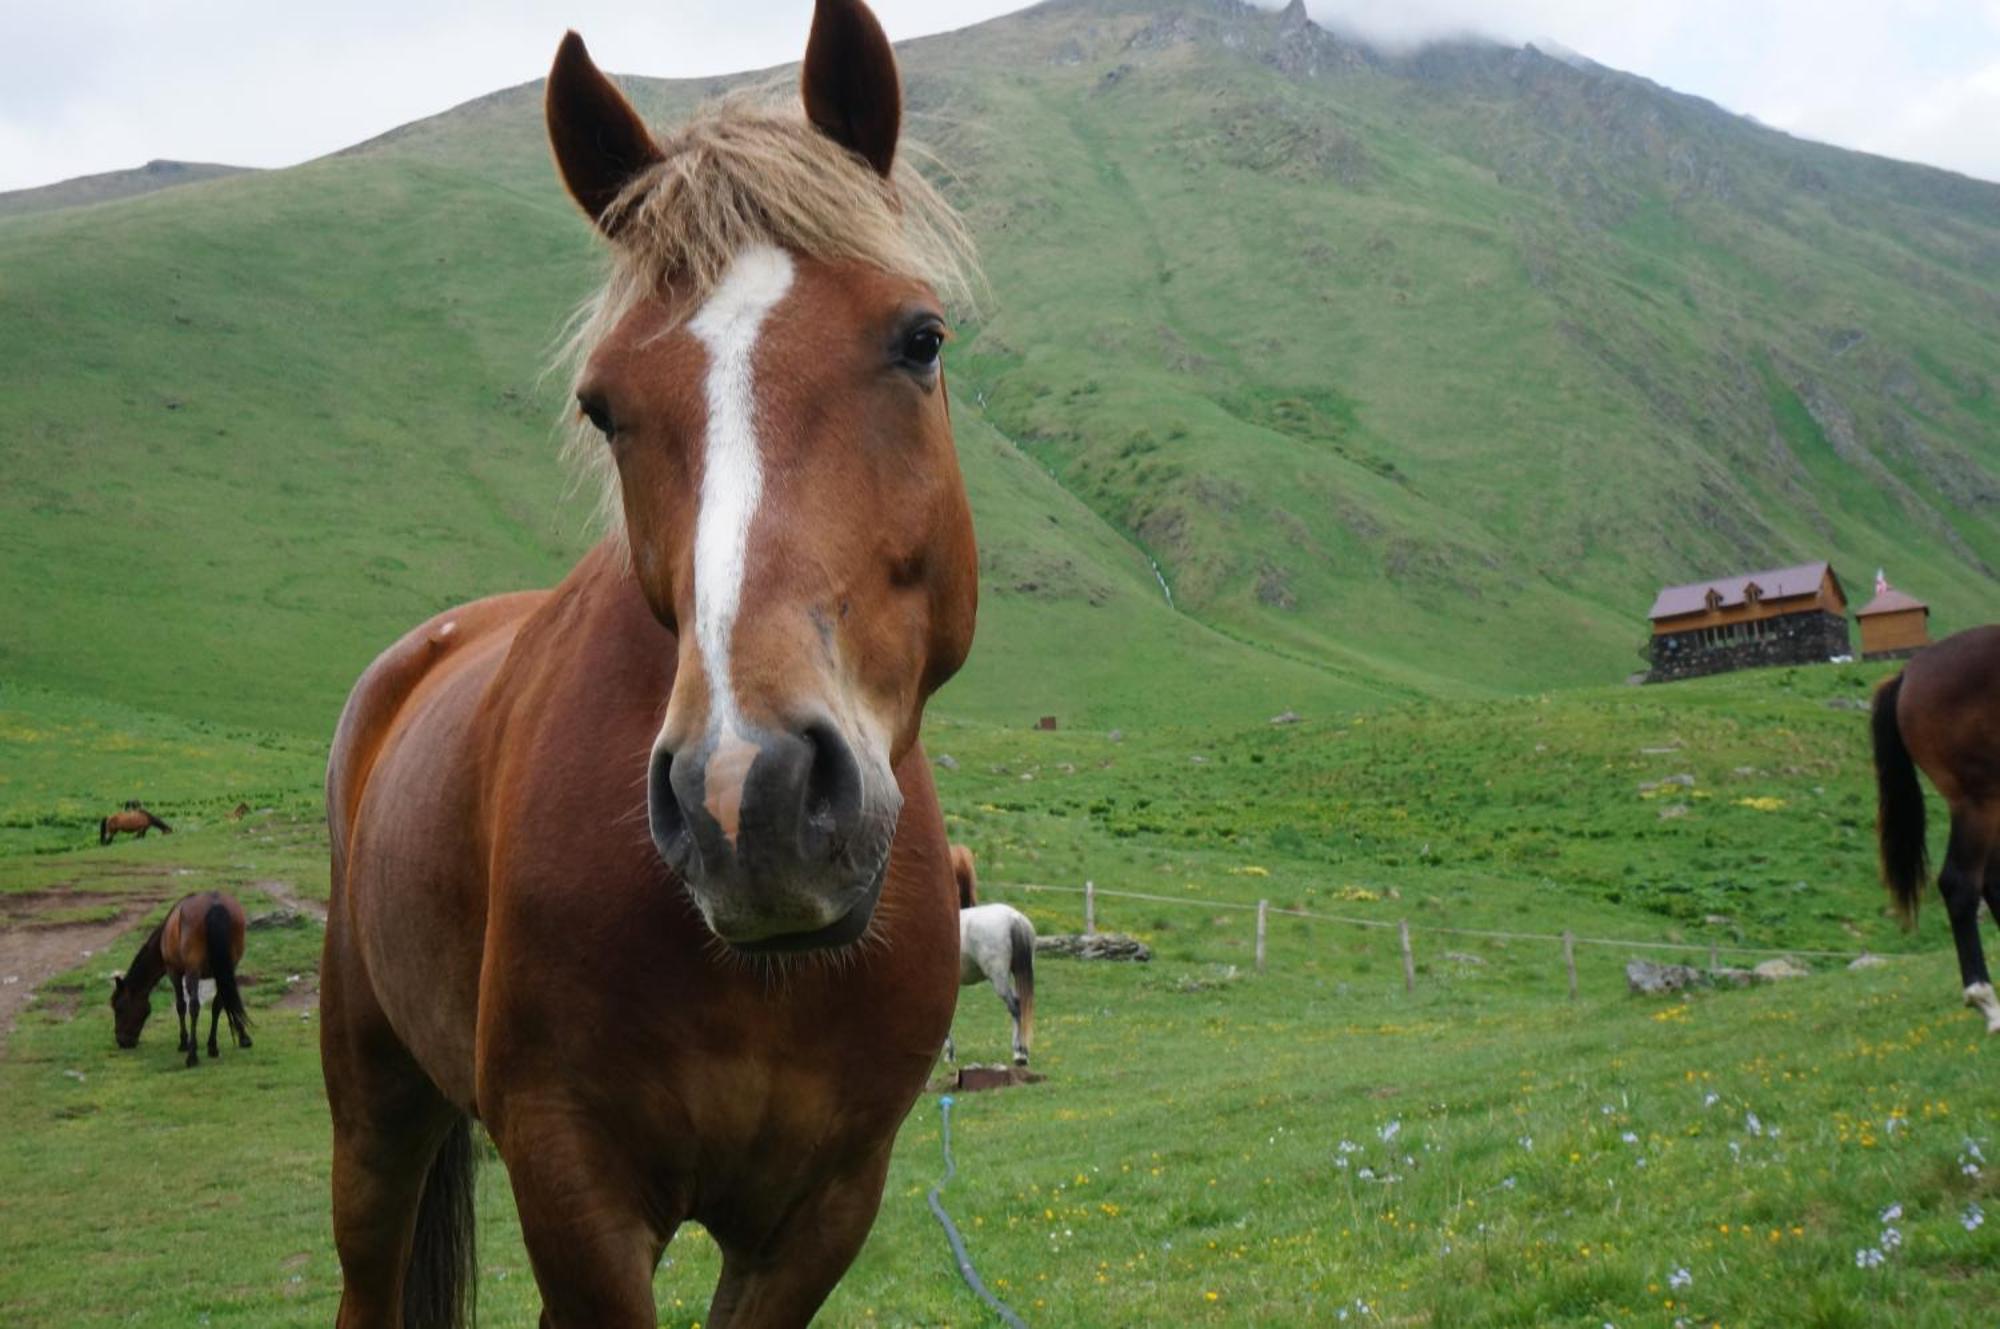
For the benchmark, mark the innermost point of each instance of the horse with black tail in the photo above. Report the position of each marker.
(1941, 715)
(133, 818)
(996, 943)
(201, 937)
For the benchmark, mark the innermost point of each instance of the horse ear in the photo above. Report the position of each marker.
(600, 142)
(849, 83)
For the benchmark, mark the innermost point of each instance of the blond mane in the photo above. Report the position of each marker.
(744, 172)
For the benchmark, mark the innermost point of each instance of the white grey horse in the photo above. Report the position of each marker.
(996, 942)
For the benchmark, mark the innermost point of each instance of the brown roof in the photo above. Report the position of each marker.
(1889, 602)
(1776, 584)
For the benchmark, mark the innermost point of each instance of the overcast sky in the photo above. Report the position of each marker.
(96, 85)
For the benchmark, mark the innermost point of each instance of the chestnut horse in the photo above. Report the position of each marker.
(965, 875)
(1942, 715)
(647, 873)
(201, 937)
(133, 818)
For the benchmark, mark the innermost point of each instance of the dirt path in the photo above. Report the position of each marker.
(301, 996)
(33, 950)
(287, 895)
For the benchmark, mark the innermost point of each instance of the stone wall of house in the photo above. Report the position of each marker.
(1794, 639)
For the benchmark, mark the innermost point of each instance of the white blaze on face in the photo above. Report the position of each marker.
(732, 473)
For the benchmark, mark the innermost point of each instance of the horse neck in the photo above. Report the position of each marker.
(149, 964)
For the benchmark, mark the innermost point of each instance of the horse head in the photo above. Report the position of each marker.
(130, 1008)
(764, 372)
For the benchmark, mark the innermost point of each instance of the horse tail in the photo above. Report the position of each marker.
(222, 966)
(440, 1286)
(104, 830)
(151, 820)
(1021, 965)
(1899, 815)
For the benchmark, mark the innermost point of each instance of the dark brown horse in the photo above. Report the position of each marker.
(132, 818)
(647, 873)
(201, 937)
(1941, 715)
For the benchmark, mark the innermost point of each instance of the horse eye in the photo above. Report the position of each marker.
(595, 411)
(921, 347)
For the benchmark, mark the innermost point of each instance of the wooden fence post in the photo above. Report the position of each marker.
(1263, 906)
(1712, 965)
(1409, 959)
(1569, 960)
(1089, 908)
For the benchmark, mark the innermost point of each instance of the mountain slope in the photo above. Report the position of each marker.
(1412, 374)
(314, 415)
(108, 186)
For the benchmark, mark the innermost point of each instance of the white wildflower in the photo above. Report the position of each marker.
(1680, 1278)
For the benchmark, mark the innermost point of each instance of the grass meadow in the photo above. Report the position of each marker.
(1214, 1145)
(1384, 392)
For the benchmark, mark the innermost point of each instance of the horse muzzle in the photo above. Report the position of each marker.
(782, 837)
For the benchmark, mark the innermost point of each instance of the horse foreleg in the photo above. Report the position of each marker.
(1961, 884)
(180, 1012)
(388, 1121)
(592, 1237)
(194, 1018)
(781, 1280)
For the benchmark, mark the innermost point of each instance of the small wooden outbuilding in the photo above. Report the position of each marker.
(1894, 625)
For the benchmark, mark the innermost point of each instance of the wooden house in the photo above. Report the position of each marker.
(1795, 615)
(1894, 626)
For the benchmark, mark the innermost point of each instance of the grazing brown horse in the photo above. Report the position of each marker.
(201, 937)
(647, 873)
(133, 818)
(1942, 715)
(962, 872)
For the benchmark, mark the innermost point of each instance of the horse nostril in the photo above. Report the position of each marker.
(664, 815)
(832, 793)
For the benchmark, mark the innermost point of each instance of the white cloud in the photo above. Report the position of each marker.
(1956, 124)
(95, 85)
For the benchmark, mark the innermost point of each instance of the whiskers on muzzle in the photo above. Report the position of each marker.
(782, 837)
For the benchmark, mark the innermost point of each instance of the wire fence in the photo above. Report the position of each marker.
(1352, 920)
(1569, 941)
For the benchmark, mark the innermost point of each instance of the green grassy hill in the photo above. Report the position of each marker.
(109, 186)
(1414, 375)
(1408, 378)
